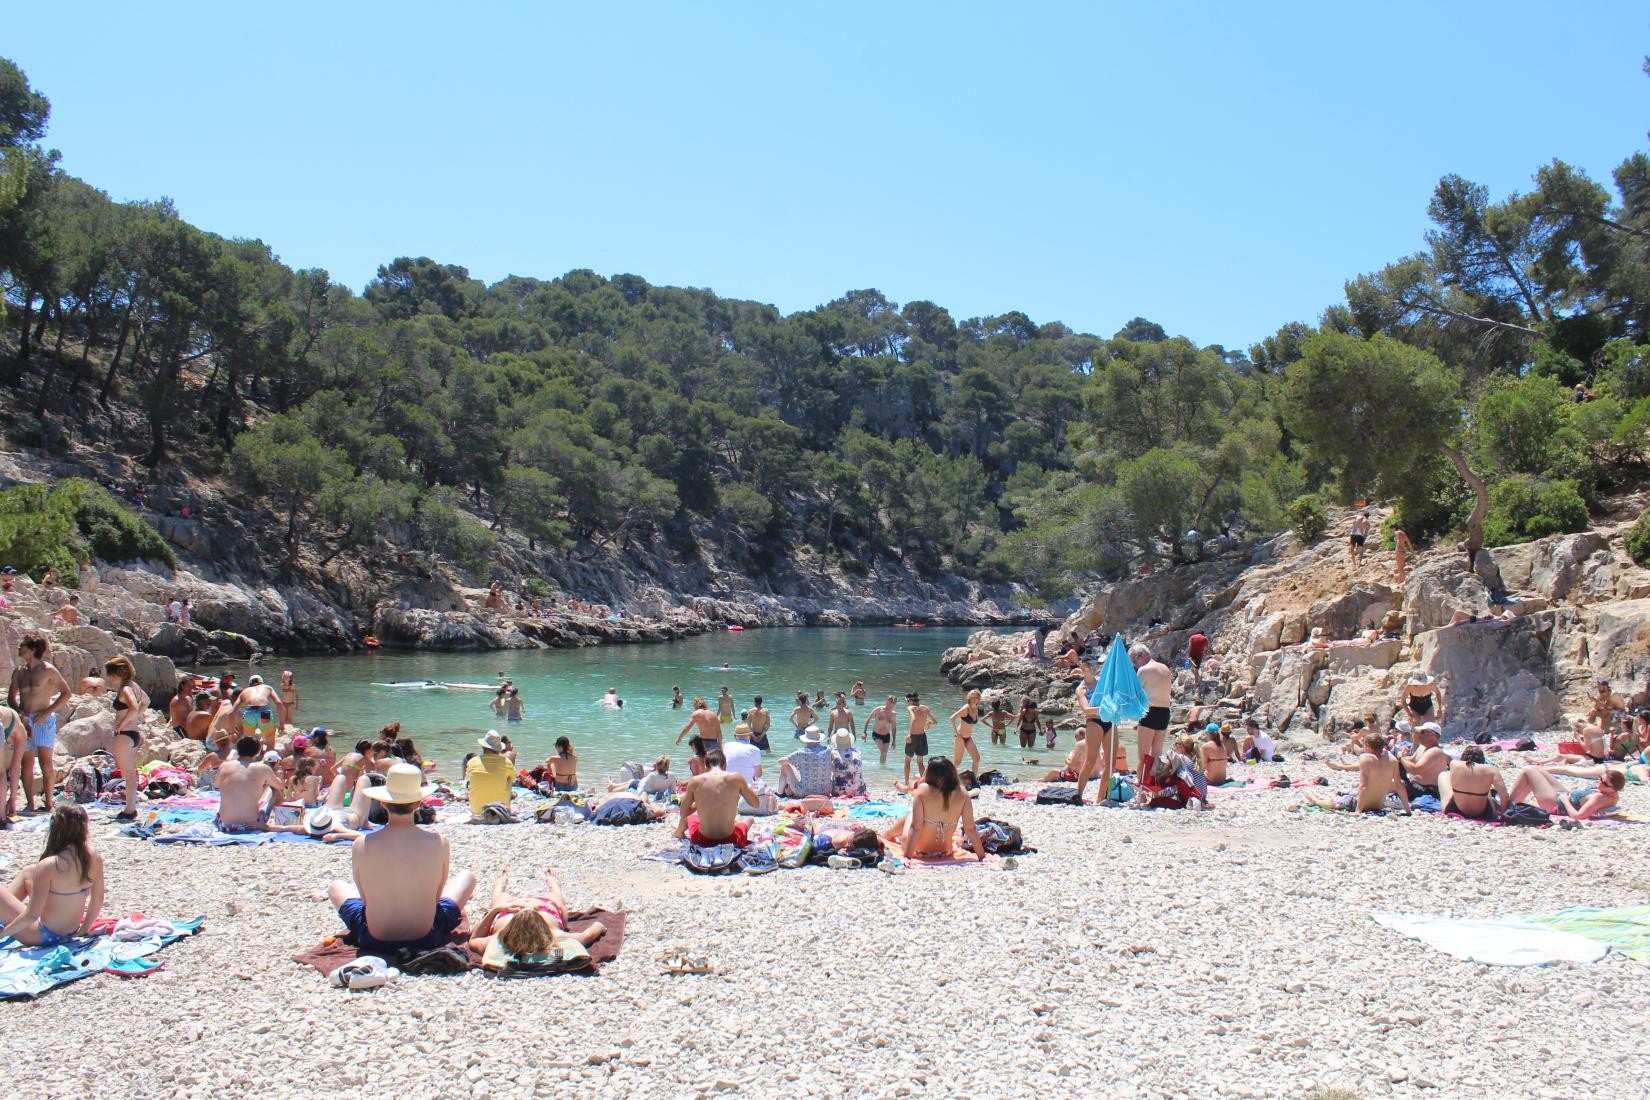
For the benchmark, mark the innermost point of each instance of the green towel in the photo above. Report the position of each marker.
(1626, 929)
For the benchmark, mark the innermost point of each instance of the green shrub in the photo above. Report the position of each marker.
(1308, 517)
(1431, 500)
(68, 524)
(1638, 540)
(1524, 508)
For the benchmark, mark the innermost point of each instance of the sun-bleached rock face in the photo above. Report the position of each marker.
(1496, 676)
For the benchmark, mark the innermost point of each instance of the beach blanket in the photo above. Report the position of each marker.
(1625, 929)
(877, 809)
(959, 857)
(204, 832)
(1507, 941)
(333, 952)
(27, 972)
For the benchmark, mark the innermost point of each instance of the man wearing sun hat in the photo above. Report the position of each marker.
(405, 895)
(490, 774)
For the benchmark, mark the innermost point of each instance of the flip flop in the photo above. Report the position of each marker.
(680, 961)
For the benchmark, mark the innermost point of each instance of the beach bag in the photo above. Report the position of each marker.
(1058, 796)
(1122, 790)
(716, 860)
(998, 837)
(83, 784)
(995, 778)
(1521, 813)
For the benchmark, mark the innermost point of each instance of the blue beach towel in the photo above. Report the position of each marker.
(1118, 691)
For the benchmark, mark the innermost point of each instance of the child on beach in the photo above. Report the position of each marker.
(58, 898)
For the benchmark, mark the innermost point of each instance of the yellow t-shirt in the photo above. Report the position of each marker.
(489, 776)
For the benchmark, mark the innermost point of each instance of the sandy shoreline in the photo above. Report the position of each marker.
(1228, 953)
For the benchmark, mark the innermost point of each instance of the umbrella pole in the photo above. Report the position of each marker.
(1111, 754)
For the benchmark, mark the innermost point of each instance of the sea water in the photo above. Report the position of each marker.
(562, 693)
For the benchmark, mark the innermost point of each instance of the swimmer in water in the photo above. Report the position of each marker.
(611, 699)
(726, 667)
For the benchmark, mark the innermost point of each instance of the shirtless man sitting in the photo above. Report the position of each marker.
(1156, 678)
(40, 694)
(709, 810)
(1377, 778)
(260, 709)
(1422, 770)
(405, 896)
(1605, 705)
(241, 786)
(177, 708)
(709, 727)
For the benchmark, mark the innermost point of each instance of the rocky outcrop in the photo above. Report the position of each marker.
(1578, 609)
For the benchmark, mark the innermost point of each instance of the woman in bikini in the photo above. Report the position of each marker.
(59, 898)
(1028, 719)
(1212, 756)
(564, 766)
(998, 718)
(1421, 698)
(305, 785)
(546, 922)
(938, 806)
(130, 702)
(962, 727)
(1536, 785)
(1472, 788)
(289, 698)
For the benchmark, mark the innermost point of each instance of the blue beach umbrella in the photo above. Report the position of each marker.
(1118, 691)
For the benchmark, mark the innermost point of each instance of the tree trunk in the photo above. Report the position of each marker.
(159, 404)
(23, 336)
(40, 325)
(1481, 505)
(114, 363)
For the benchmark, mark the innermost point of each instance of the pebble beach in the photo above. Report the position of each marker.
(1227, 953)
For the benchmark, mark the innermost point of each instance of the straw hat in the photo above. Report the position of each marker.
(842, 740)
(492, 742)
(402, 783)
(1421, 679)
(742, 731)
(813, 736)
(318, 822)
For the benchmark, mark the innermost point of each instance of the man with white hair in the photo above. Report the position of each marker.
(1156, 678)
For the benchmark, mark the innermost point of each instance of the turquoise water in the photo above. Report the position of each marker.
(562, 691)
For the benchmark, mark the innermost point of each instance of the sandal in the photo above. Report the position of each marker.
(680, 961)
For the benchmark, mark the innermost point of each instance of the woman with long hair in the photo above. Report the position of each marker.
(130, 702)
(938, 806)
(962, 728)
(58, 898)
(564, 766)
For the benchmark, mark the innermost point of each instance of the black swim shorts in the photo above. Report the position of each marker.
(1157, 718)
(916, 745)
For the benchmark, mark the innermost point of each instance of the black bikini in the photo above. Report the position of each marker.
(137, 738)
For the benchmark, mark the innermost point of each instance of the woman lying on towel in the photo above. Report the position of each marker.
(938, 806)
(527, 929)
(58, 898)
(1536, 785)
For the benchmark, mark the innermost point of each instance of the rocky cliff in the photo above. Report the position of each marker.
(244, 582)
(1579, 609)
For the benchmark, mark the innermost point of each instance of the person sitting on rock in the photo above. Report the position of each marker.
(709, 811)
(1422, 699)
(1604, 706)
(1535, 785)
(405, 895)
(1378, 779)
(1422, 770)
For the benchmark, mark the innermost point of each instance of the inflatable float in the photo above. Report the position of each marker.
(736, 629)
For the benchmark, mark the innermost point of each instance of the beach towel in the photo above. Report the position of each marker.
(1625, 929)
(204, 832)
(27, 972)
(333, 952)
(1507, 941)
(959, 857)
(876, 809)
(1118, 691)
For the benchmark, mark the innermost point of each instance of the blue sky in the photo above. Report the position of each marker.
(1219, 168)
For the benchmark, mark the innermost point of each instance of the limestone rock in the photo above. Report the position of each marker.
(1496, 676)
(84, 736)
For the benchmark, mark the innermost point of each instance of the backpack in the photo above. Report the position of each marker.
(999, 837)
(83, 784)
(1058, 796)
(1522, 813)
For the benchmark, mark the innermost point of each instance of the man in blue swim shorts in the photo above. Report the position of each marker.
(39, 693)
(405, 896)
